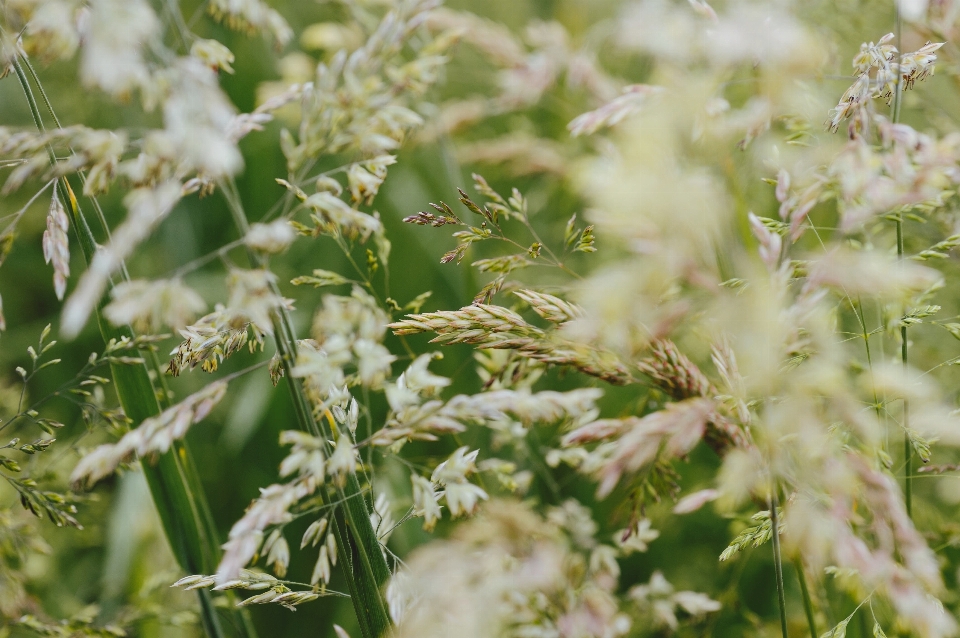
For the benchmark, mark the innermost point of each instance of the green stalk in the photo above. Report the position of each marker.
(904, 357)
(176, 504)
(163, 392)
(241, 620)
(81, 174)
(858, 310)
(805, 592)
(778, 563)
(173, 480)
(358, 546)
(907, 446)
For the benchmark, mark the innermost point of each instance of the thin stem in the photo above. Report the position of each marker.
(171, 488)
(778, 562)
(183, 32)
(357, 542)
(858, 309)
(904, 356)
(905, 424)
(101, 218)
(204, 259)
(20, 213)
(907, 448)
(556, 261)
(805, 592)
(898, 94)
(367, 282)
(32, 102)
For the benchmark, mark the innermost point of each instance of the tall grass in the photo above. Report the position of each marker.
(173, 480)
(357, 543)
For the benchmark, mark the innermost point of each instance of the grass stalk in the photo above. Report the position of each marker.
(358, 545)
(101, 218)
(905, 358)
(778, 562)
(904, 355)
(179, 506)
(173, 480)
(858, 310)
(805, 593)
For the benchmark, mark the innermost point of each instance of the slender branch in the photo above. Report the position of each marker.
(858, 309)
(805, 592)
(202, 260)
(20, 213)
(778, 561)
(173, 481)
(357, 542)
(101, 218)
(904, 355)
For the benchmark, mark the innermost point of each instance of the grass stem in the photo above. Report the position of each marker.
(805, 593)
(358, 545)
(173, 480)
(904, 355)
(778, 561)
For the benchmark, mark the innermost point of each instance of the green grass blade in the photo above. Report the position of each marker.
(173, 481)
(357, 546)
(179, 507)
(360, 555)
(241, 615)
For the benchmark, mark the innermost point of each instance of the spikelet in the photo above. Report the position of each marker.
(56, 245)
(154, 436)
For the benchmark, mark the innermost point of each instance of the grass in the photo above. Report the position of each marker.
(173, 480)
(357, 543)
